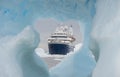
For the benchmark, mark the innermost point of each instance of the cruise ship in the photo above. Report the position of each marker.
(61, 41)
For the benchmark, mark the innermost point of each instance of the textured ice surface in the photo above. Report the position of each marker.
(106, 33)
(18, 58)
(24, 12)
(79, 64)
(16, 14)
(15, 53)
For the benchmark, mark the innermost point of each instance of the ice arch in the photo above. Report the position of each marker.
(14, 19)
(24, 12)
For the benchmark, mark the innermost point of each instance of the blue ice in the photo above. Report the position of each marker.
(100, 32)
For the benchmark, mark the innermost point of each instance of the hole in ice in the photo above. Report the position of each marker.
(47, 26)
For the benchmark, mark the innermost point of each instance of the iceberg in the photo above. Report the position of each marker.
(14, 14)
(79, 64)
(106, 31)
(18, 58)
(100, 34)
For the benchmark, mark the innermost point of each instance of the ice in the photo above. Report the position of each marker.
(18, 58)
(79, 64)
(16, 52)
(77, 47)
(24, 12)
(106, 34)
(42, 53)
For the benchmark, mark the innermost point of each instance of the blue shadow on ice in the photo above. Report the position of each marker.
(15, 15)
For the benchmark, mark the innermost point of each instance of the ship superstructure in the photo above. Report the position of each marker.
(61, 41)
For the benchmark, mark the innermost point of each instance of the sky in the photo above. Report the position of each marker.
(47, 26)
